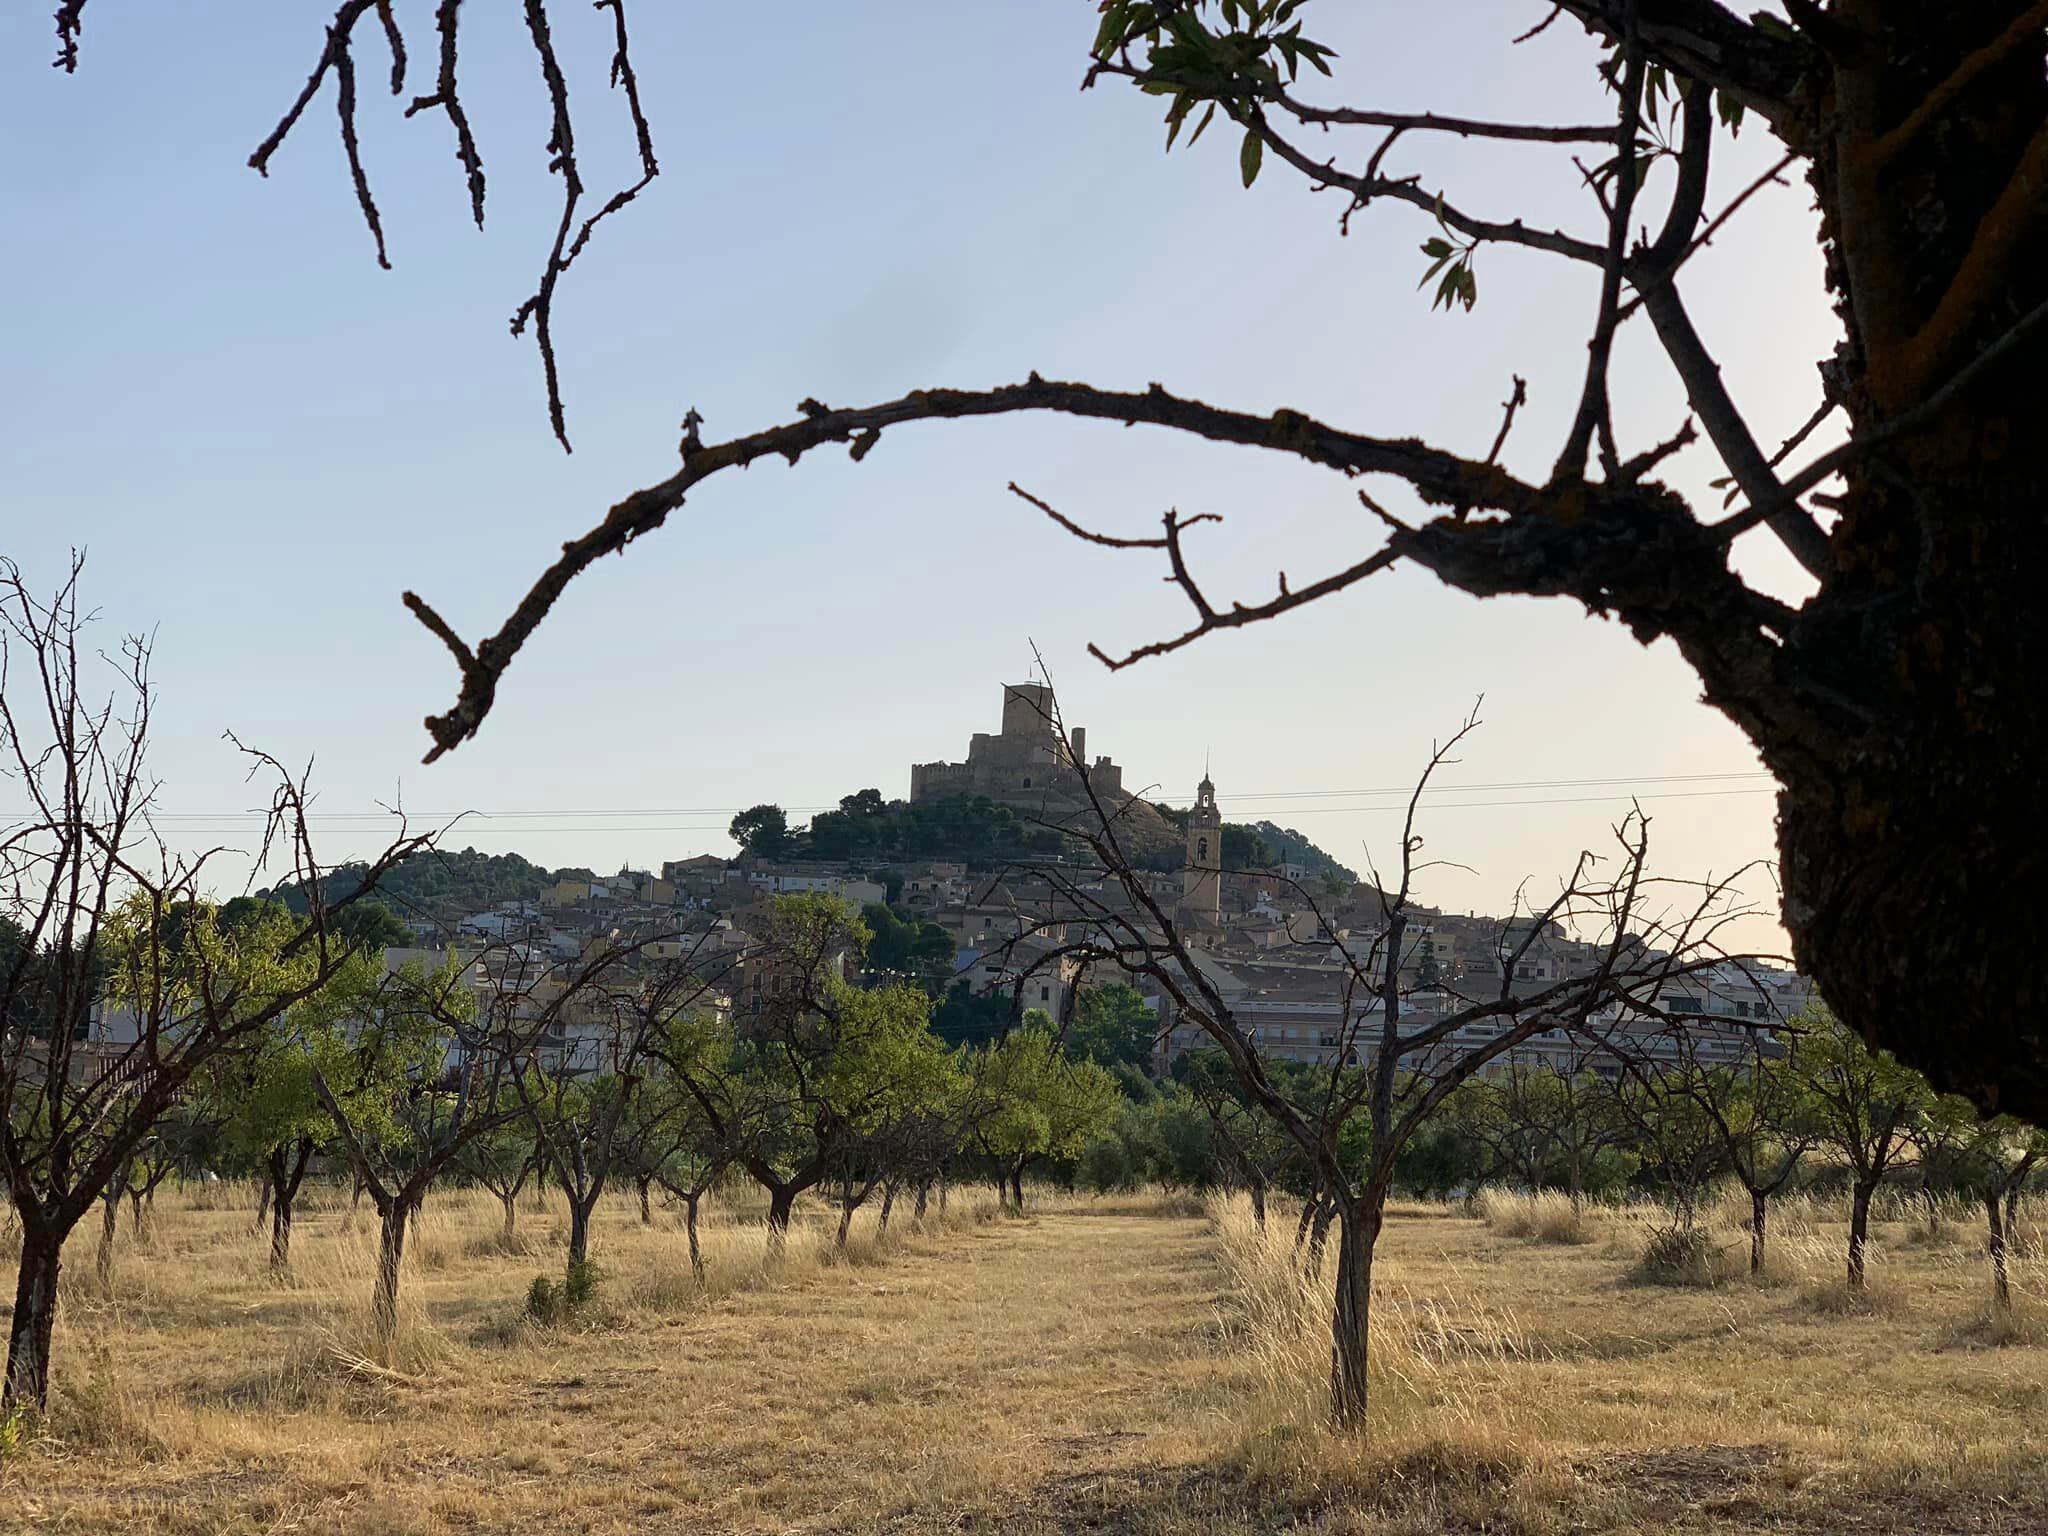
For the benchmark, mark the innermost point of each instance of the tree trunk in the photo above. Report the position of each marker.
(1756, 1231)
(924, 1195)
(1308, 1216)
(1319, 1236)
(393, 1221)
(1258, 1194)
(2001, 1279)
(646, 1205)
(1859, 1233)
(138, 1211)
(511, 1204)
(888, 1204)
(1351, 1322)
(110, 1220)
(2014, 1241)
(287, 1172)
(281, 1233)
(690, 1226)
(27, 1382)
(1017, 1189)
(846, 1205)
(263, 1204)
(579, 1229)
(779, 1203)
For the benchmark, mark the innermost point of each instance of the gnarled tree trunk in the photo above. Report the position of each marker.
(1351, 1320)
(393, 1222)
(35, 1317)
(1911, 768)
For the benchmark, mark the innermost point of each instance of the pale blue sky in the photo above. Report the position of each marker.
(262, 439)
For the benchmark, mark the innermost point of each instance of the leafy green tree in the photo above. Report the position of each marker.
(2000, 1155)
(502, 1160)
(1114, 1026)
(668, 1137)
(1865, 1103)
(1767, 1122)
(1242, 1138)
(400, 1118)
(967, 1017)
(270, 1110)
(1244, 848)
(893, 1090)
(371, 925)
(908, 949)
(1042, 1104)
(762, 830)
(819, 1074)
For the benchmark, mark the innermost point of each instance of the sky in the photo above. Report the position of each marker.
(261, 440)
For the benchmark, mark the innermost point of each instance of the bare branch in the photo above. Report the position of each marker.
(1440, 477)
(1593, 413)
(449, 100)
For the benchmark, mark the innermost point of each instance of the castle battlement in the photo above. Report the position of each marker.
(1027, 763)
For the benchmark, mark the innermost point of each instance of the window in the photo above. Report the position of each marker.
(1045, 994)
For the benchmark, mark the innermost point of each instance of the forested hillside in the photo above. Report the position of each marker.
(441, 885)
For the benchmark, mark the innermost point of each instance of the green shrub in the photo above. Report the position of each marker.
(547, 1302)
(15, 1432)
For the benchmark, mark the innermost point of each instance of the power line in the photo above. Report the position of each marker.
(623, 813)
(640, 828)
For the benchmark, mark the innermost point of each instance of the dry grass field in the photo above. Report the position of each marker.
(1131, 1364)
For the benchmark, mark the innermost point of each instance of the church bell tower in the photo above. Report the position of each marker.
(1201, 876)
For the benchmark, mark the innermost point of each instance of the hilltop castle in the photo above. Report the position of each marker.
(1027, 764)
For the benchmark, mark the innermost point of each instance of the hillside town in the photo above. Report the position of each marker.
(1294, 955)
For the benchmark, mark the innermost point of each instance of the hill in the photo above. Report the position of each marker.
(984, 834)
(973, 829)
(1293, 847)
(440, 885)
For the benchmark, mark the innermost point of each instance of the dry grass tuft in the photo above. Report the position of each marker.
(1547, 1215)
(1685, 1256)
(500, 1244)
(92, 1409)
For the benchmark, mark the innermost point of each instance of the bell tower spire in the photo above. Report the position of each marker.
(1201, 876)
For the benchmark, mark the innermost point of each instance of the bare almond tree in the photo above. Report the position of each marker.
(1397, 1051)
(117, 981)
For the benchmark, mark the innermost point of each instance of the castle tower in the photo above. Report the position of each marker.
(1201, 879)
